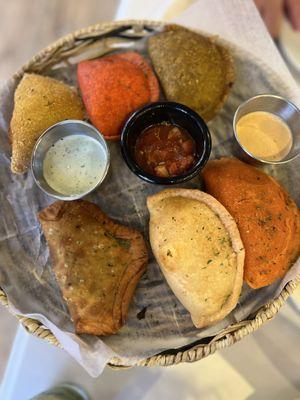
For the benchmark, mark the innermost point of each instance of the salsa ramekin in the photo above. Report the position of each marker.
(166, 112)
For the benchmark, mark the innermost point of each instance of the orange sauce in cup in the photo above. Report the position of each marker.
(264, 135)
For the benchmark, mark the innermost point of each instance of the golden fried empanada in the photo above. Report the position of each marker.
(97, 263)
(39, 102)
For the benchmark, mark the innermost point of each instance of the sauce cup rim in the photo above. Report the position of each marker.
(234, 123)
(58, 195)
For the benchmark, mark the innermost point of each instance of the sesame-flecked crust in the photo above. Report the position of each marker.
(267, 217)
(39, 102)
(97, 263)
(193, 69)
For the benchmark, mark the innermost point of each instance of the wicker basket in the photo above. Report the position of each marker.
(71, 45)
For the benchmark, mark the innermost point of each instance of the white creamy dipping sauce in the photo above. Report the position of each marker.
(74, 164)
(264, 135)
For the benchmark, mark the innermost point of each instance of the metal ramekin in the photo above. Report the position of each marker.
(52, 135)
(279, 106)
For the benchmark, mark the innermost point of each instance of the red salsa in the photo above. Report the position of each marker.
(165, 150)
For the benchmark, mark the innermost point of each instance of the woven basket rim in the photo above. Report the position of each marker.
(174, 356)
(192, 352)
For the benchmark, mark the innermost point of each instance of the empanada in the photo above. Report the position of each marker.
(39, 102)
(97, 263)
(114, 86)
(198, 247)
(193, 69)
(267, 217)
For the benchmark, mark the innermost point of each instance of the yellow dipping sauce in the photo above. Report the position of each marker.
(264, 135)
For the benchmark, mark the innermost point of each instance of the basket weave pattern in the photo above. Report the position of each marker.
(70, 45)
